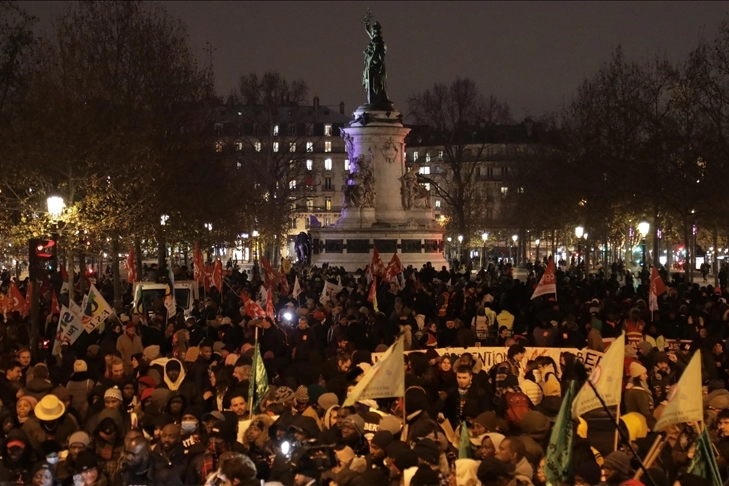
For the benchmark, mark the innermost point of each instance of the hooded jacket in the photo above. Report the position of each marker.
(19, 472)
(172, 385)
(79, 387)
(37, 388)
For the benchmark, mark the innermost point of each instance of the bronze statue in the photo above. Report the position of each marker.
(375, 76)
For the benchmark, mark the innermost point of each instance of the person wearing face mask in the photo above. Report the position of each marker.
(50, 423)
(171, 452)
(192, 432)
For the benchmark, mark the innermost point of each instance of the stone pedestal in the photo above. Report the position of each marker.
(376, 213)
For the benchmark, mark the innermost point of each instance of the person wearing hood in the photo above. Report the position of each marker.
(79, 386)
(637, 397)
(17, 458)
(173, 373)
(535, 428)
(39, 385)
(129, 344)
(108, 440)
(50, 422)
(175, 406)
(258, 444)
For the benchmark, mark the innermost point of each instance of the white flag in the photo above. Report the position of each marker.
(297, 288)
(95, 309)
(548, 282)
(329, 291)
(684, 400)
(71, 327)
(74, 308)
(64, 287)
(384, 380)
(607, 376)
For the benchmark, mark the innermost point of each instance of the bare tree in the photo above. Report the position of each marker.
(458, 116)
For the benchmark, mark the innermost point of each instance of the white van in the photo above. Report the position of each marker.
(186, 293)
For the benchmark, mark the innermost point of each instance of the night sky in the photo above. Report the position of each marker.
(531, 54)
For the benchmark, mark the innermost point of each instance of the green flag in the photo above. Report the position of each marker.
(259, 381)
(704, 462)
(558, 464)
(464, 444)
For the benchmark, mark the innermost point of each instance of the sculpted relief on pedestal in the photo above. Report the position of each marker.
(414, 195)
(359, 191)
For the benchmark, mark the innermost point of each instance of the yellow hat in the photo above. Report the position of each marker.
(636, 425)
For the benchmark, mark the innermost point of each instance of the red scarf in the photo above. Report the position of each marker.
(210, 460)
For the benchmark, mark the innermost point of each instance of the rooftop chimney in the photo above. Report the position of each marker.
(316, 104)
(341, 107)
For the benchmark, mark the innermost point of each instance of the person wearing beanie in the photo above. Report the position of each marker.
(43, 474)
(617, 468)
(353, 434)
(303, 407)
(24, 408)
(378, 445)
(78, 443)
(587, 473)
(127, 344)
(428, 452)
(491, 471)
(426, 476)
(638, 397)
(535, 428)
(79, 386)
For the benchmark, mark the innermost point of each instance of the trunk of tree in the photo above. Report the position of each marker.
(115, 250)
(161, 251)
(82, 271)
(715, 257)
(688, 238)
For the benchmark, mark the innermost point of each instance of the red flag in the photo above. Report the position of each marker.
(217, 277)
(269, 305)
(55, 308)
(377, 266)
(372, 295)
(131, 267)
(4, 304)
(28, 299)
(284, 280)
(393, 268)
(252, 309)
(658, 287)
(271, 277)
(207, 276)
(548, 283)
(17, 300)
(198, 267)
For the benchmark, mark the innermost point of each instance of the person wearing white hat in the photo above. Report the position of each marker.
(51, 422)
(638, 397)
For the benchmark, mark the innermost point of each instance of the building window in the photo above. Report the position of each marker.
(504, 171)
(520, 190)
(424, 170)
(328, 130)
(440, 155)
(219, 146)
(292, 223)
(328, 164)
(257, 146)
(307, 222)
(327, 221)
(275, 146)
(292, 184)
(489, 173)
(292, 146)
(346, 164)
(309, 164)
(328, 183)
(238, 146)
(292, 129)
(327, 146)
(489, 214)
(415, 156)
(427, 157)
(309, 204)
(437, 204)
(238, 165)
(504, 191)
(328, 203)
(309, 146)
(275, 130)
(293, 206)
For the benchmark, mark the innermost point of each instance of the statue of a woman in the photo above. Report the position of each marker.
(375, 76)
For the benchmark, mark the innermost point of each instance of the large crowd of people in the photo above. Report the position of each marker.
(152, 400)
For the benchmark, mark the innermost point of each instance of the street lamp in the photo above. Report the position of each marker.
(643, 228)
(579, 232)
(484, 237)
(55, 206)
(536, 258)
(460, 252)
(164, 218)
(514, 238)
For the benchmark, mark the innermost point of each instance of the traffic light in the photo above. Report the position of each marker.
(43, 257)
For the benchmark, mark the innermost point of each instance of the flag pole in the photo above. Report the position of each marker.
(623, 435)
(252, 385)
